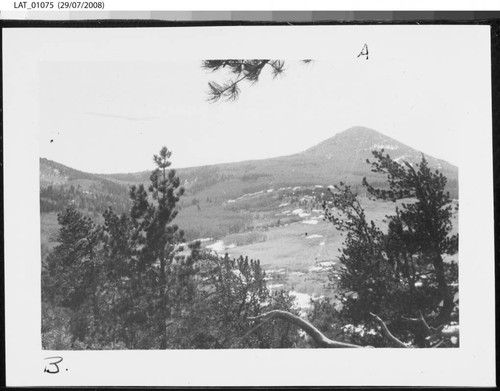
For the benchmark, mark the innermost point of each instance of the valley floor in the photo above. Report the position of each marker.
(295, 246)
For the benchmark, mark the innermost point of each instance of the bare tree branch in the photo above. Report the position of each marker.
(421, 320)
(255, 328)
(426, 326)
(438, 344)
(319, 338)
(387, 333)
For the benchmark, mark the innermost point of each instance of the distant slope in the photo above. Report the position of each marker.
(235, 198)
(53, 173)
(339, 158)
(350, 149)
(62, 187)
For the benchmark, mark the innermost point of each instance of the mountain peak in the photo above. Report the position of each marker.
(358, 131)
(348, 151)
(357, 138)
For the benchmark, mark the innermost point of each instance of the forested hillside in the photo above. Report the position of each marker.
(133, 278)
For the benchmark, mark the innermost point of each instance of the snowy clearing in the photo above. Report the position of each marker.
(274, 286)
(217, 247)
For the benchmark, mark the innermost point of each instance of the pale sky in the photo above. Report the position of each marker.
(111, 98)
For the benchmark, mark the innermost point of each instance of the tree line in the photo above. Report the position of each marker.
(93, 199)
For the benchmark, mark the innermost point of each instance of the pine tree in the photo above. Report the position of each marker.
(400, 274)
(73, 272)
(423, 227)
(157, 240)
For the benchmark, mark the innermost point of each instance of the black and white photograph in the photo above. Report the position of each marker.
(249, 189)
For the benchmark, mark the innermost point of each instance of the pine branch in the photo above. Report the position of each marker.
(217, 91)
(249, 70)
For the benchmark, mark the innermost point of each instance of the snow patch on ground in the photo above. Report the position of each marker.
(322, 244)
(285, 204)
(383, 146)
(217, 247)
(303, 301)
(321, 266)
(361, 330)
(276, 271)
(314, 236)
(274, 286)
(250, 194)
(311, 222)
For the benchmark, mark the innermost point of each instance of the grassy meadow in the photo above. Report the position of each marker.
(283, 228)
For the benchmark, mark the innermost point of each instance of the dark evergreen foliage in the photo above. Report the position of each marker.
(239, 71)
(399, 274)
(130, 284)
(94, 200)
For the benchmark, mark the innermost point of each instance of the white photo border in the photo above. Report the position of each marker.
(473, 364)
